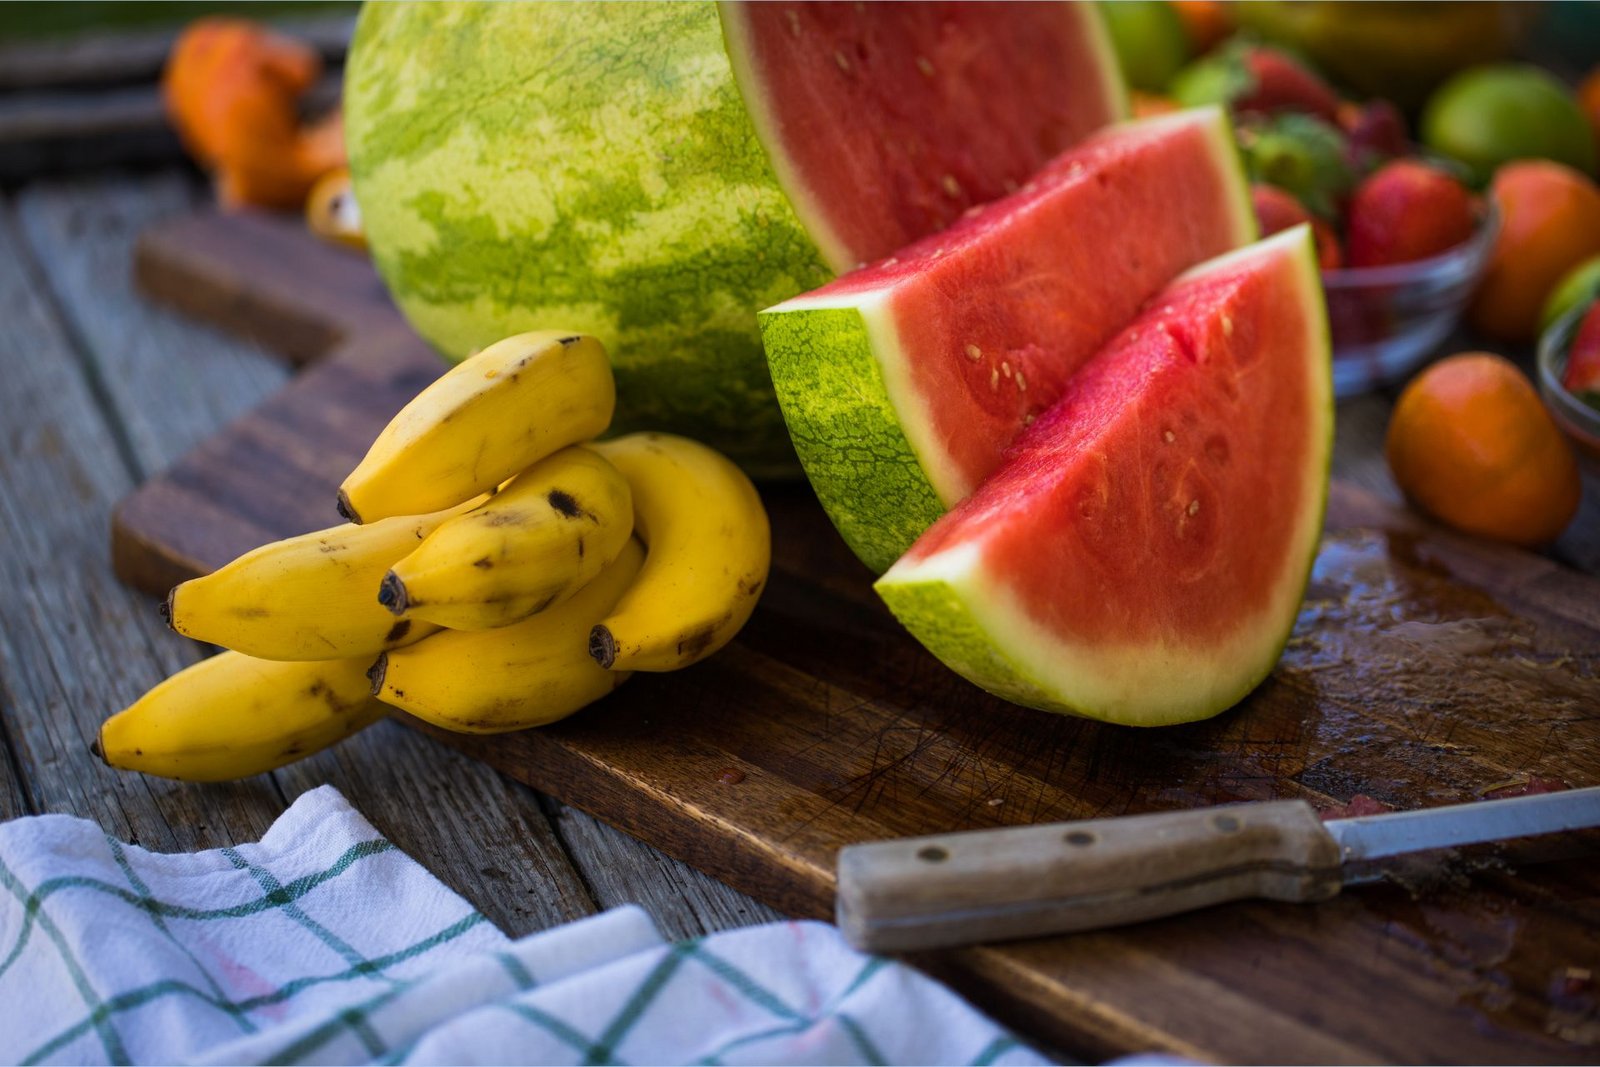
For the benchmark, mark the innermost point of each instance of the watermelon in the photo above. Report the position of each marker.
(903, 382)
(655, 173)
(1141, 555)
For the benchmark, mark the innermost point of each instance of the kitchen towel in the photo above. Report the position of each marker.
(323, 943)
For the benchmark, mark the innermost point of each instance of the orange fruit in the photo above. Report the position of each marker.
(1205, 22)
(1549, 223)
(1471, 444)
(1149, 105)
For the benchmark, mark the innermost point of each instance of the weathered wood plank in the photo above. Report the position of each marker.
(169, 381)
(620, 869)
(75, 645)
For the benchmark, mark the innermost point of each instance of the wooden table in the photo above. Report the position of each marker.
(98, 392)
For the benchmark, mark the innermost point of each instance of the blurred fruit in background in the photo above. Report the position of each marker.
(1406, 211)
(1578, 287)
(1374, 132)
(1549, 223)
(1582, 376)
(1206, 22)
(1471, 444)
(1150, 40)
(1589, 100)
(1301, 154)
(1488, 116)
(1396, 50)
(1276, 210)
(1251, 79)
(232, 90)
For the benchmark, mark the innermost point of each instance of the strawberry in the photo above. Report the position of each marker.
(1582, 376)
(1282, 84)
(1277, 210)
(1251, 78)
(1407, 211)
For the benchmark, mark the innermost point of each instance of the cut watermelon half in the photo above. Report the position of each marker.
(884, 122)
(1142, 554)
(902, 383)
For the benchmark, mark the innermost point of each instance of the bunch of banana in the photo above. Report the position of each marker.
(473, 602)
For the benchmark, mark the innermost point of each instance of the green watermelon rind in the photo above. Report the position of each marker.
(865, 439)
(831, 352)
(961, 615)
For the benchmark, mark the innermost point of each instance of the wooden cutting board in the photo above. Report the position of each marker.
(1425, 669)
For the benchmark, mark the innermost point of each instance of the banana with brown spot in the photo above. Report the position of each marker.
(489, 417)
(312, 597)
(527, 674)
(544, 537)
(708, 544)
(232, 716)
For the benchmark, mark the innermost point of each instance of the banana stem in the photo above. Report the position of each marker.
(602, 647)
(392, 594)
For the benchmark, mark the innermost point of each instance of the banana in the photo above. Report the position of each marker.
(544, 537)
(312, 597)
(232, 716)
(709, 546)
(527, 674)
(492, 415)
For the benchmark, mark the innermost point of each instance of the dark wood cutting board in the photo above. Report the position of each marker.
(1426, 669)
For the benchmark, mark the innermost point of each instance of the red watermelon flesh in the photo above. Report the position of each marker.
(933, 88)
(1142, 553)
(930, 362)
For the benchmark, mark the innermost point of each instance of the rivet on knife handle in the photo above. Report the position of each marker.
(1026, 881)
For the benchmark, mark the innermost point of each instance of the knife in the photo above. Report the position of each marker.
(1026, 881)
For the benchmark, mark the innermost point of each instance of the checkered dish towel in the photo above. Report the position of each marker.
(326, 944)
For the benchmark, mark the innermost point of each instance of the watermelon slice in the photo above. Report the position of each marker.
(903, 382)
(1142, 554)
(655, 173)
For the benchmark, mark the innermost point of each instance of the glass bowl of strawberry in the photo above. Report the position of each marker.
(1569, 377)
(1416, 242)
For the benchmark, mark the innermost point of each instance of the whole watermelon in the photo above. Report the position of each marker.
(608, 168)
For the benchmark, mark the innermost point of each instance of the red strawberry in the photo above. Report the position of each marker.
(1583, 359)
(1282, 84)
(1277, 210)
(1406, 211)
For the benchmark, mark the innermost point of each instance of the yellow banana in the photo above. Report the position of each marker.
(544, 537)
(527, 674)
(232, 716)
(490, 416)
(709, 546)
(312, 597)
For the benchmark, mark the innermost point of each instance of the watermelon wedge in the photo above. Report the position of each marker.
(1142, 554)
(903, 382)
(655, 173)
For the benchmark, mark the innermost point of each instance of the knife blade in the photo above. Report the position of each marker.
(1026, 881)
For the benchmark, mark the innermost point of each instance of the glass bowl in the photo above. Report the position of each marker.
(1387, 320)
(1580, 421)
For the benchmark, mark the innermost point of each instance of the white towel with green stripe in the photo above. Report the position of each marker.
(323, 943)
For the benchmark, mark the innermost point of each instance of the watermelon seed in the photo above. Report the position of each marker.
(1168, 436)
(1022, 383)
(844, 64)
(974, 353)
(952, 187)
(891, 261)
(1027, 420)
(1227, 326)
(925, 65)
(994, 380)
(1194, 506)
(972, 212)
(1005, 367)
(1009, 185)
(794, 21)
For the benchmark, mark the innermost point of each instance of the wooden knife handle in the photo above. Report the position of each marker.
(1025, 881)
